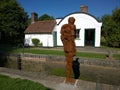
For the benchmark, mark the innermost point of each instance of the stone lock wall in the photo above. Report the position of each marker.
(25, 62)
(36, 62)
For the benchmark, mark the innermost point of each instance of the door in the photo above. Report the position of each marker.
(89, 37)
(55, 38)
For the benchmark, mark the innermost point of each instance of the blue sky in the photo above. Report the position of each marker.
(61, 8)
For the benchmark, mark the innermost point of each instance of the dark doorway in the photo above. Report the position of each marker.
(89, 37)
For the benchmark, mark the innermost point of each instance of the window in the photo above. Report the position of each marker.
(77, 33)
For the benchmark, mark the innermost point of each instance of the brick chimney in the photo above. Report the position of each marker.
(83, 8)
(34, 17)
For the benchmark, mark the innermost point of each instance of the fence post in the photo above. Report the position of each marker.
(19, 61)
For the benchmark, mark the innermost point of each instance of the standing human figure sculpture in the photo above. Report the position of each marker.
(68, 37)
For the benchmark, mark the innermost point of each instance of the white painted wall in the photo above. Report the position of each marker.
(46, 39)
(98, 36)
(58, 20)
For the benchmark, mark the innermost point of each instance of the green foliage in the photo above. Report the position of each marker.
(45, 17)
(103, 41)
(111, 28)
(29, 21)
(116, 15)
(13, 21)
(35, 41)
(19, 84)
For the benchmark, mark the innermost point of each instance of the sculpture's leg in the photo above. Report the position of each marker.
(69, 60)
(68, 68)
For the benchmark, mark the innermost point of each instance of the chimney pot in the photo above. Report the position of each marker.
(83, 8)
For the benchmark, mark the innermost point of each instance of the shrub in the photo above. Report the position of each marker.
(35, 41)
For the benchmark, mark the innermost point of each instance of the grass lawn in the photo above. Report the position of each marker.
(56, 52)
(8, 83)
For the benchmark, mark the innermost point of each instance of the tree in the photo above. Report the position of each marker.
(45, 17)
(13, 21)
(116, 15)
(111, 28)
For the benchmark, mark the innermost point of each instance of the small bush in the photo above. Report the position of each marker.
(35, 41)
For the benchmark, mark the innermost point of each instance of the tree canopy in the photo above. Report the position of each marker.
(46, 17)
(111, 28)
(13, 21)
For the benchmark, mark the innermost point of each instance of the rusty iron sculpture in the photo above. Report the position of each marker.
(67, 38)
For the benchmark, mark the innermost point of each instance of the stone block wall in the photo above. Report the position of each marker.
(33, 61)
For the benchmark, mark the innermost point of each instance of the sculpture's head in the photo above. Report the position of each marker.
(71, 20)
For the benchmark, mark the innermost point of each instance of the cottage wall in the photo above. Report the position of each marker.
(45, 39)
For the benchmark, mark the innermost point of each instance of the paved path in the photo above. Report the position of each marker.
(47, 80)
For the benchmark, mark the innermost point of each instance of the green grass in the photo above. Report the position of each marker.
(47, 52)
(8, 83)
(116, 56)
(58, 71)
(91, 55)
(56, 52)
(61, 72)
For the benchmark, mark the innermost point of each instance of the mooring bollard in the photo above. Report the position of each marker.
(98, 84)
(110, 54)
(19, 62)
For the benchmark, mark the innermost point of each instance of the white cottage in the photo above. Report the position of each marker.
(42, 30)
(88, 30)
